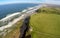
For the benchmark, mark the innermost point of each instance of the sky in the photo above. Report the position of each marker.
(52, 2)
(29, 1)
(20, 1)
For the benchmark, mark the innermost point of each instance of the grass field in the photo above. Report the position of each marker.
(45, 25)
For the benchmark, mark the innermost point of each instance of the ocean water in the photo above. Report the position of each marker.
(12, 8)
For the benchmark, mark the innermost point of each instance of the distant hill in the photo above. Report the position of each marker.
(52, 5)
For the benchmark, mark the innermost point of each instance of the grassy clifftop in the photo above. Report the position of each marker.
(49, 10)
(46, 23)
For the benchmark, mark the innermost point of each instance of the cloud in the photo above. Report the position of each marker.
(52, 2)
(20, 1)
(56, 0)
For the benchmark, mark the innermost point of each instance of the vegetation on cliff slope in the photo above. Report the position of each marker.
(15, 32)
(46, 23)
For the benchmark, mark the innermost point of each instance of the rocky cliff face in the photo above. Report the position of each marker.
(24, 28)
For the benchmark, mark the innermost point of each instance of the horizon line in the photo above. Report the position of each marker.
(4, 3)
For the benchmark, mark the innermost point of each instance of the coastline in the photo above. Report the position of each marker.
(13, 16)
(21, 17)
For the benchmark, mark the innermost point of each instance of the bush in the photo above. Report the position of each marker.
(49, 10)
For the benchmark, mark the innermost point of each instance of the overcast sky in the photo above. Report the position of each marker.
(53, 1)
(29, 1)
(20, 1)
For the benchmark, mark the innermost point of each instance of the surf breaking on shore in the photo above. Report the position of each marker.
(14, 18)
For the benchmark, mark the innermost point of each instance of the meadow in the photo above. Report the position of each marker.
(46, 23)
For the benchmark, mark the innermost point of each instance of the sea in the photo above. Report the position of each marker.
(13, 8)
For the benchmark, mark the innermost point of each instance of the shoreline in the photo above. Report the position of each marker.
(13, 16)
(24, 15)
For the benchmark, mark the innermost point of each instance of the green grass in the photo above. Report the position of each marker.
(45, 25)
(49, 10)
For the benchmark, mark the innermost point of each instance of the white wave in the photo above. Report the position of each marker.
(24, 10)
(11, 23)
(17, 19)
(9, 16)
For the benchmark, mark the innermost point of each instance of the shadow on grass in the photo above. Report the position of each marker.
(29, 36)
